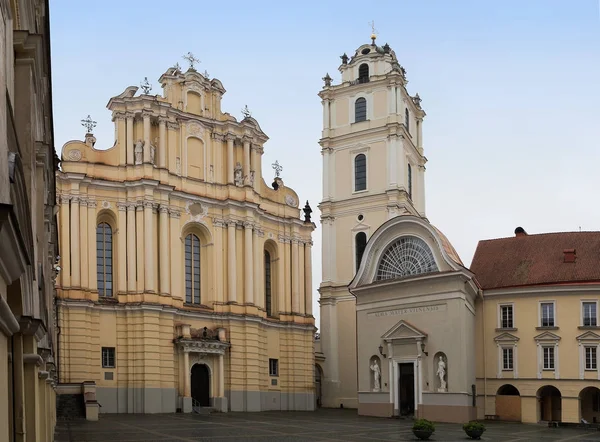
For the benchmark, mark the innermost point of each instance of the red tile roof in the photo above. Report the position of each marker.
(537, 259)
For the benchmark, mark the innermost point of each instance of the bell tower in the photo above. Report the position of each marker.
(373, 170)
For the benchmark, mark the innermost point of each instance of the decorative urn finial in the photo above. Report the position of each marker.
(307, 211)
(327, 80)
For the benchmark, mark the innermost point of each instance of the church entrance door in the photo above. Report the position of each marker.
(406, 388)
(201, 385)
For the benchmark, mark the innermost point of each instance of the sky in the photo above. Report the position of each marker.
(511, 90)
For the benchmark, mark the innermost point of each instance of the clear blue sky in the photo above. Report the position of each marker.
(511, 90)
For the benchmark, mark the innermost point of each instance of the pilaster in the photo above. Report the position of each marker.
(131, 249)
(121, 258)
(65, 246)
(231, 262)
(230, 138)
(162, 142)
(75, 250)
(91, 238)
(140, 246)
(129, 144)
(83, 243)
(308, 278)
(164, 253)
(248, 267)
(246, 165)
(149, 270)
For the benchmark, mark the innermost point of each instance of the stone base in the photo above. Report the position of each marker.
(186, 404)
(136, 400)
(220, 404)
(456, 414)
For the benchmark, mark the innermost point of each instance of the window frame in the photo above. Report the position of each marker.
(273, 367)
(553, 360)
(407, 119)
(410, 179)
(114, 357)
(541, 305)
(101, 261)
(359, 77)
(594, 360)
(582, 312)
(512, 357)
(268, 279)
(357, 261)
(512, 307)
(366, 174)
(195, 270)
(366, 109)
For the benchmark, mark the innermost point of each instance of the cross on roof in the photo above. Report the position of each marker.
(191, 59)
(146, 86)
(89, 124)
(277, 167)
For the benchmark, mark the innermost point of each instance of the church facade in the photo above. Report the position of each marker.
(186, 278)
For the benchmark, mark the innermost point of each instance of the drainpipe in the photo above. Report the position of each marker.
(14, 404)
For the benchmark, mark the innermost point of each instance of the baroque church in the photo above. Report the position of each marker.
(186, 277)
(397, 304)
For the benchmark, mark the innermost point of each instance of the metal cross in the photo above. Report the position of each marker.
(146, 86)
(177, 67)
(206, 74)
(89, 124)
(373, 30)
(277, 167)
(191, 59)
(246, 112)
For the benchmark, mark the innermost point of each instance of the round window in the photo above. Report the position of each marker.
(365, 51)
(361, 217)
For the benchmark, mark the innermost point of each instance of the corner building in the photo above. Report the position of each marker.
(395, 297)
(186, 279)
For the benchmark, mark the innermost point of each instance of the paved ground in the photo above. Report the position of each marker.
(323, 425)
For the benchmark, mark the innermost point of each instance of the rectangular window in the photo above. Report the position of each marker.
(506, 316)
(590, 358)
(108, 357)
(360, 172)
(548, 358)
(273, 367)
(547, 314)
(589, 314)
(507, 358)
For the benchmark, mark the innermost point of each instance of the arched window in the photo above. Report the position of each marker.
(360, 172)
(360, 110)
(192, 269)
(104, 261)
(409, 181)
(407, 120)
(363, 73)
(360, 242)
(406, 256)
(268, 305)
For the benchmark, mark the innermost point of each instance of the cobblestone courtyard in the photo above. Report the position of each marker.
(323, 425)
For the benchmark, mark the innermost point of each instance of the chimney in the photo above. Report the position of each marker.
(520, 231)
(569, 255)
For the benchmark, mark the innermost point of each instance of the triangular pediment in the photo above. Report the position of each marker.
(506, 337)
(589, 336)
(403, 330)
(547, 336)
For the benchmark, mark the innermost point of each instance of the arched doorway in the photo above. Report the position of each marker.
(508, 403)
(589, 404)
(201, 385)
(318, 386)
(549, 404)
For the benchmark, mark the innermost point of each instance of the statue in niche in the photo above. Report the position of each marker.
(376, 375)
(139, 152)
(251, 178)
(441, 372)
(238, 177)
(152, 151)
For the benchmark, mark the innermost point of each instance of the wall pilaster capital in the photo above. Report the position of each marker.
(248, 225)
(173, 125)
(122, 206)
(83, 202)
(139, 205)
(129, 115)
(148, 204)
(230, 137)
(259, 232)
(219, 222)
(64, 199)
(163, 120)
(163, 209)
(284, 239)
(328, 220)
(247, 139)
(147, 114)
(130, 206)
(173, 213)
(75, 199)
(119, 116)
(218, 137)
(92, 204)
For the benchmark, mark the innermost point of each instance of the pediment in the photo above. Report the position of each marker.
(547, 336)
(506, 337)
(403, 330)
(589, 336)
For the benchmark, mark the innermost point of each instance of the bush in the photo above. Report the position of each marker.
(474, 426)
(423, 425)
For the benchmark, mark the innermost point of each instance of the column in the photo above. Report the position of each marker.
(420, 133)
(230, 166)
(91, 238)
(165, 283)
(221, 377)
(325, 152)
(391, 98)
(308, 278)
(280, 279)
(149, 270)
(295, 281)
(259, 272)
(219, 267)
(129, 125)
(121, 137)
(231, 262)
(83, 243)
(162, 142)
(176, 255)
(326, 249)
(246, 165)
(301, 291)
(75, 259)
(121, 248)
(146, 119)
(248, 267)
(325, 104)
(65, 246)
(187, 391)
(139, 246)
(131, 251)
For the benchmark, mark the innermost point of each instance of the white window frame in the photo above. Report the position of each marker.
(547, 339)
(553, 360)
(588, 301)
(507, 341)
(276, 366)
(540, 303)
(351, 115)
(114, 355)
(512, 357)
(588, 339)
(512, 306)
(353, 154)
(595, 359)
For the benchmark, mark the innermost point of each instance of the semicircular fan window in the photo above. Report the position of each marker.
(407, 256)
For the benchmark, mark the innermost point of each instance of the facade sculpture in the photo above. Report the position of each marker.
(183, 250)
(376, 375)
(441, 372)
